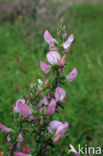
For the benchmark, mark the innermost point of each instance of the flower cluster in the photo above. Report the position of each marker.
(34, 114)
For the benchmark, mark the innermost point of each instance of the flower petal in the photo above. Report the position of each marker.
(4, 128)
(72, 75)
(48, 37)
(57, 137)
(31, 118)
(68, 42)
(60, 94)
(53, 57)
(21, 139)
(31, 85)
(51, 107)
(44, 67)
(54, 124)
(20, 154)
(60, 129)
(65, 126)
(45, 100)
(22, 108)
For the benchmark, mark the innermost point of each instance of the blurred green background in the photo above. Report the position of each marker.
(22, 24)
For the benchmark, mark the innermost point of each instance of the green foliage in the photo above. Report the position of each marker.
(20, 54)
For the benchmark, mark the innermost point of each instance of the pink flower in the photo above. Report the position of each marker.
(72, 75)
(31, 85)
(60, 129)
(68, 42)
(44, 67)
(31, 118)
(20, 141)
(22, 108)
(4, 128)
(26, 149)
(72, 149)
(51, 107)
(53, 57)
(48, 37)
(60, 95)
(8, 138)
(53, 125)
(20, 138)
(21, 154)
(45, 100)
(50, 40)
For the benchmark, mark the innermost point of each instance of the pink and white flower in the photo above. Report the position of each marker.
(4, 128)
(44, 67)
(68, 43)
(31, 85)
(53, 58)
(72, 149)
(45, 100)
(50, 40)
(8, 138)
(72, 75)
(20, 138)
(20, 154)
(22, 108)
(60, 95)
(51, 107)
(48, 37)
(60, 129)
